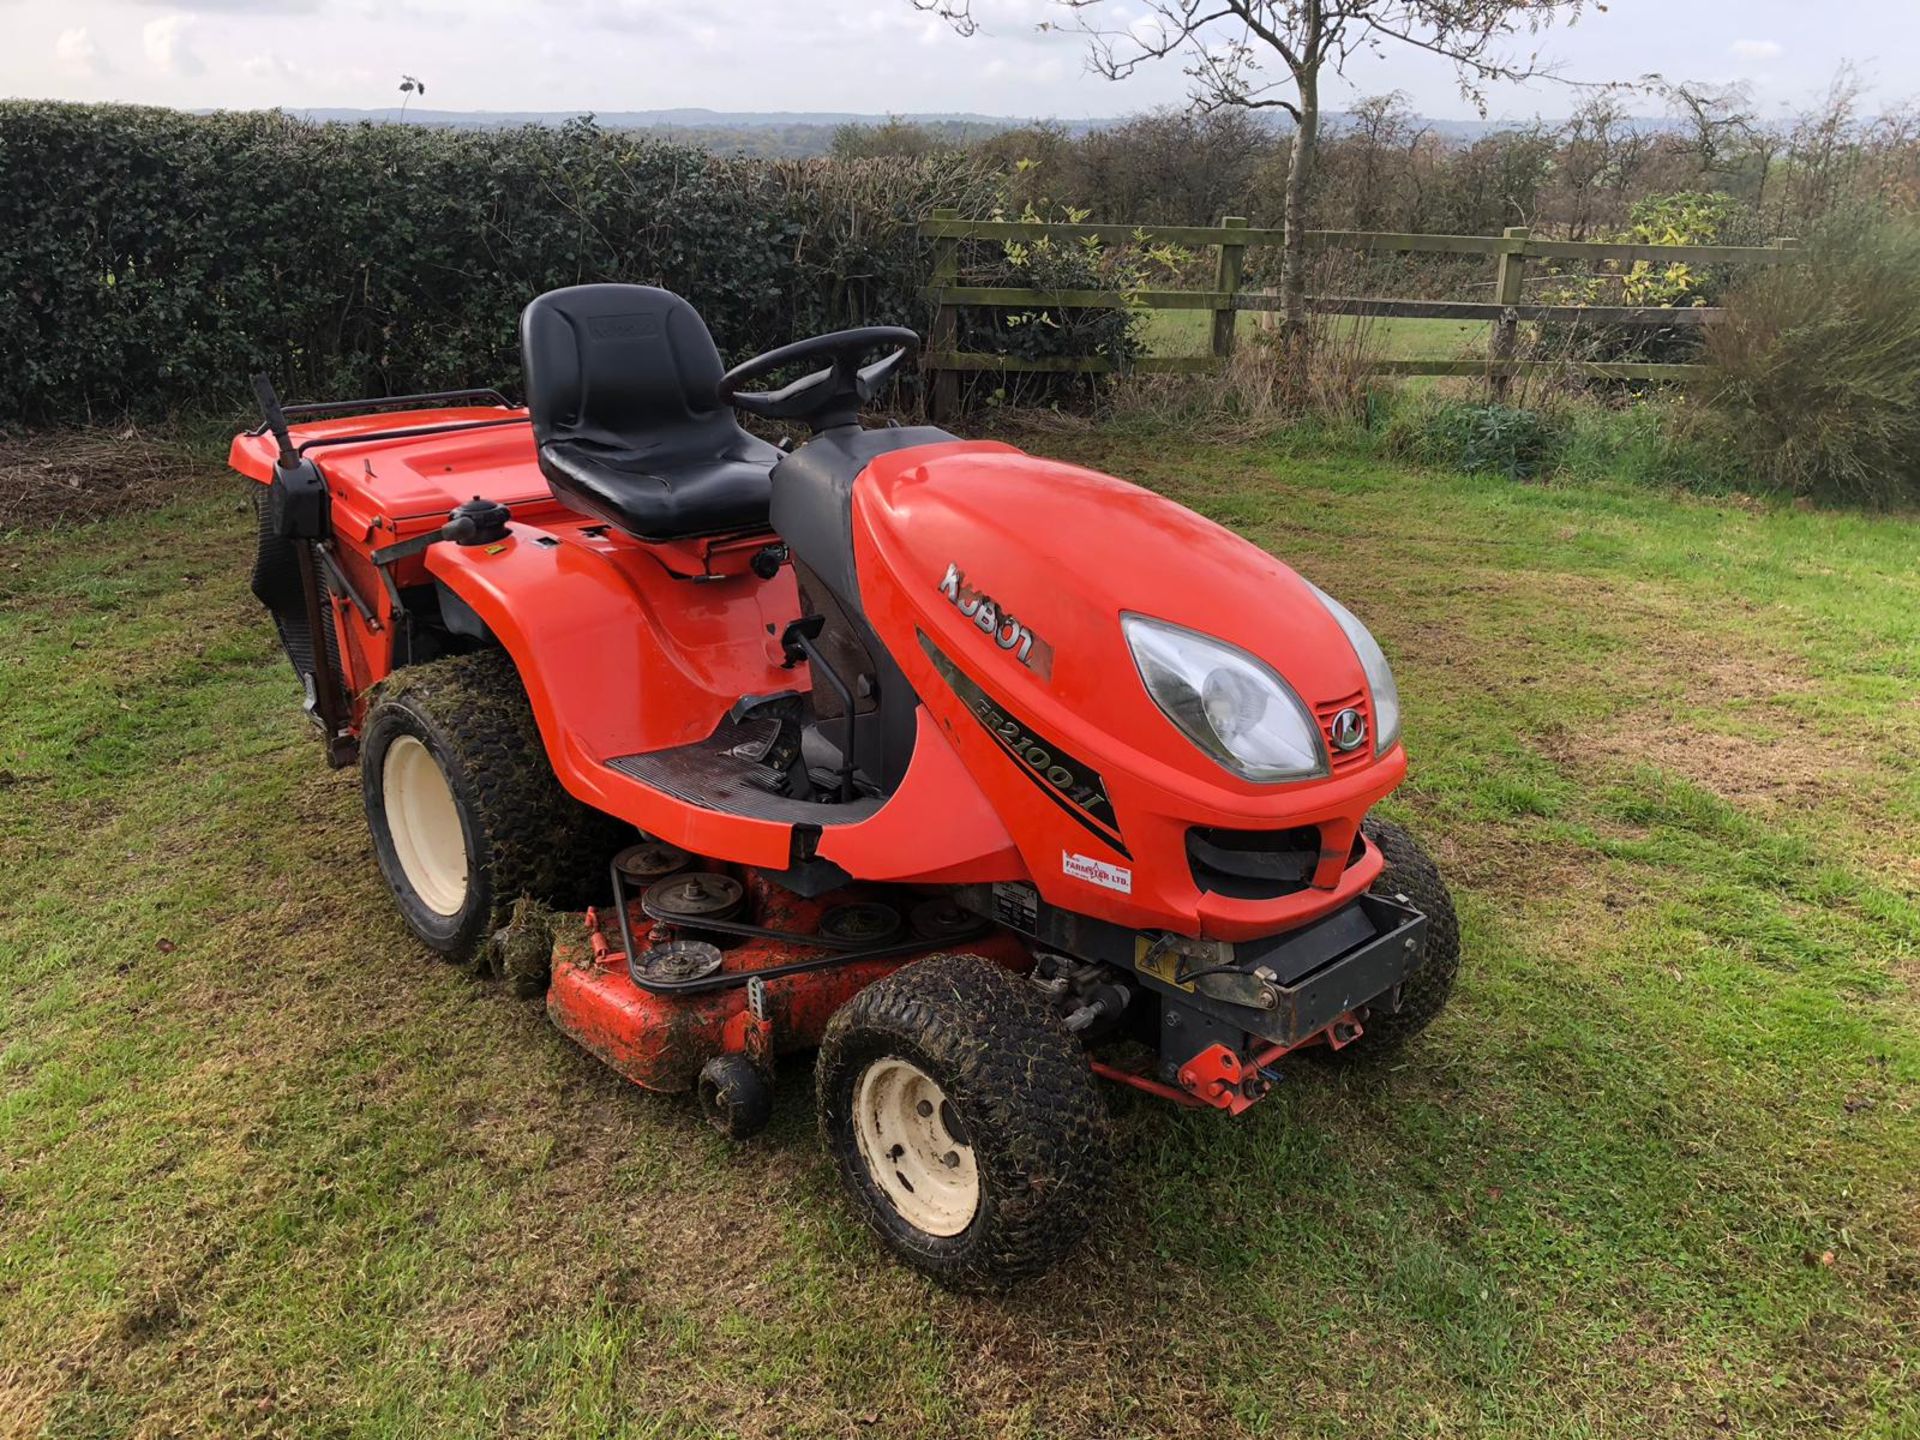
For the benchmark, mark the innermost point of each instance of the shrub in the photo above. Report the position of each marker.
(161, 257)
(1051, 264)
(1818, 366)
(1478, 439)
(1687, 217)
(1049, 332)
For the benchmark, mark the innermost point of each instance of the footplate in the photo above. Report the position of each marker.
(723, 772)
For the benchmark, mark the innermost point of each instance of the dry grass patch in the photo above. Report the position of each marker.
(71, 476)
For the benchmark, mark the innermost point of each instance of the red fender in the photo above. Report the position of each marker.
(580, 615)
(617, 661)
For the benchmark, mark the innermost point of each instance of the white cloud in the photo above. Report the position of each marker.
(76, 53)
(1759, 49)
(265, 66)
(1149, 30)
(166, 43)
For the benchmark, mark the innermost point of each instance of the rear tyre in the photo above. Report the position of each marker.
(1409, 871)
(735, 1096)
(464, 808)
(964, 1120)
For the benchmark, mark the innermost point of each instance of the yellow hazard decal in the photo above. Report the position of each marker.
(1162, 963)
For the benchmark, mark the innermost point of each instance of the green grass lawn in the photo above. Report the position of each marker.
(1190, 332)
(267, 1169)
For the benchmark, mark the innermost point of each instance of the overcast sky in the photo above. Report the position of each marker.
(868, 56)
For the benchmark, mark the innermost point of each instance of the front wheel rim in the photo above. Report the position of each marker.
(424, 822)
(915, 1148)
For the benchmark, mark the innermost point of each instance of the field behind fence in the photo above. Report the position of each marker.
(1227, 297)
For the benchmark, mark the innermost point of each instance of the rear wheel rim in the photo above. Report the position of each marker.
(428, 839)
(915, 1148)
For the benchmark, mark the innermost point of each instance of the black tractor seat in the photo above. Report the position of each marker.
(620, 386)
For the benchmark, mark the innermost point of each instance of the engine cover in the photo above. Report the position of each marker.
(998, 581)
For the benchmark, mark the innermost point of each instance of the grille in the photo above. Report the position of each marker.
(1253, 864)
(1344, 761)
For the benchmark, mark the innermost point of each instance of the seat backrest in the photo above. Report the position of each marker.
(628, 366)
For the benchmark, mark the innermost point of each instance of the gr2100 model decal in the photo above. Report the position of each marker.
(1073, 785)
(1007, 632)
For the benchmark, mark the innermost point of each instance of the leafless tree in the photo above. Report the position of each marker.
(1825, 149)
(1376, 148)
(1718, 119)
(1602, 151)
(1273, 55)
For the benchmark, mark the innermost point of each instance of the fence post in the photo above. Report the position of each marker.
(1508, 278)
(1226, 280)
(943, 390)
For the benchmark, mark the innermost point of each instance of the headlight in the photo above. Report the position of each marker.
(1226, 702)
(1373, 660)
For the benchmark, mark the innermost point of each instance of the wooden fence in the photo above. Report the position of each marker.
(1232, 238)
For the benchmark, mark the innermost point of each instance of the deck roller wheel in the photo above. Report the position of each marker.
(735, 1096)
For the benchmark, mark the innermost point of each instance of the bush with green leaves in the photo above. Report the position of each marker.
(1687, 217)
(1478, 438)
(1818, 365)
(157, 258)
(1050, 264)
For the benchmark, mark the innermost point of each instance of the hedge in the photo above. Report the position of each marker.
(155, 259)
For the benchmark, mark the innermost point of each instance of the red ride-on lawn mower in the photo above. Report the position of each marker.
(981, 774)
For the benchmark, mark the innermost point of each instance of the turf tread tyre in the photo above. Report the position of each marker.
(1411, 872)
(1021, 1085)
(525, 836)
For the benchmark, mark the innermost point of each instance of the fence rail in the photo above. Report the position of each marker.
(1233, 237)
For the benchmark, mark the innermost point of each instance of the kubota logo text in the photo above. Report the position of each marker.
(1007, 632)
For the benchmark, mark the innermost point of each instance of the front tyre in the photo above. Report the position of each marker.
(1409, 871)
(464, 809)
(964, 1120)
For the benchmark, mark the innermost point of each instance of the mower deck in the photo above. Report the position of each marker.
(660, 1041)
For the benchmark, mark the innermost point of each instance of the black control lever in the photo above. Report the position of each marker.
(796, 643)
(276, 420)
(472, 522)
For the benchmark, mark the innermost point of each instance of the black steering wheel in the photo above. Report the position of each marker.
(827, 398)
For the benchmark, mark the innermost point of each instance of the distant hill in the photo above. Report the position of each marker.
(768, 134)
(791, 133)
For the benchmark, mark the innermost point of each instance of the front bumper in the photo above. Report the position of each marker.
(1217, 1012)
(1282, 989)
(1290, 987)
